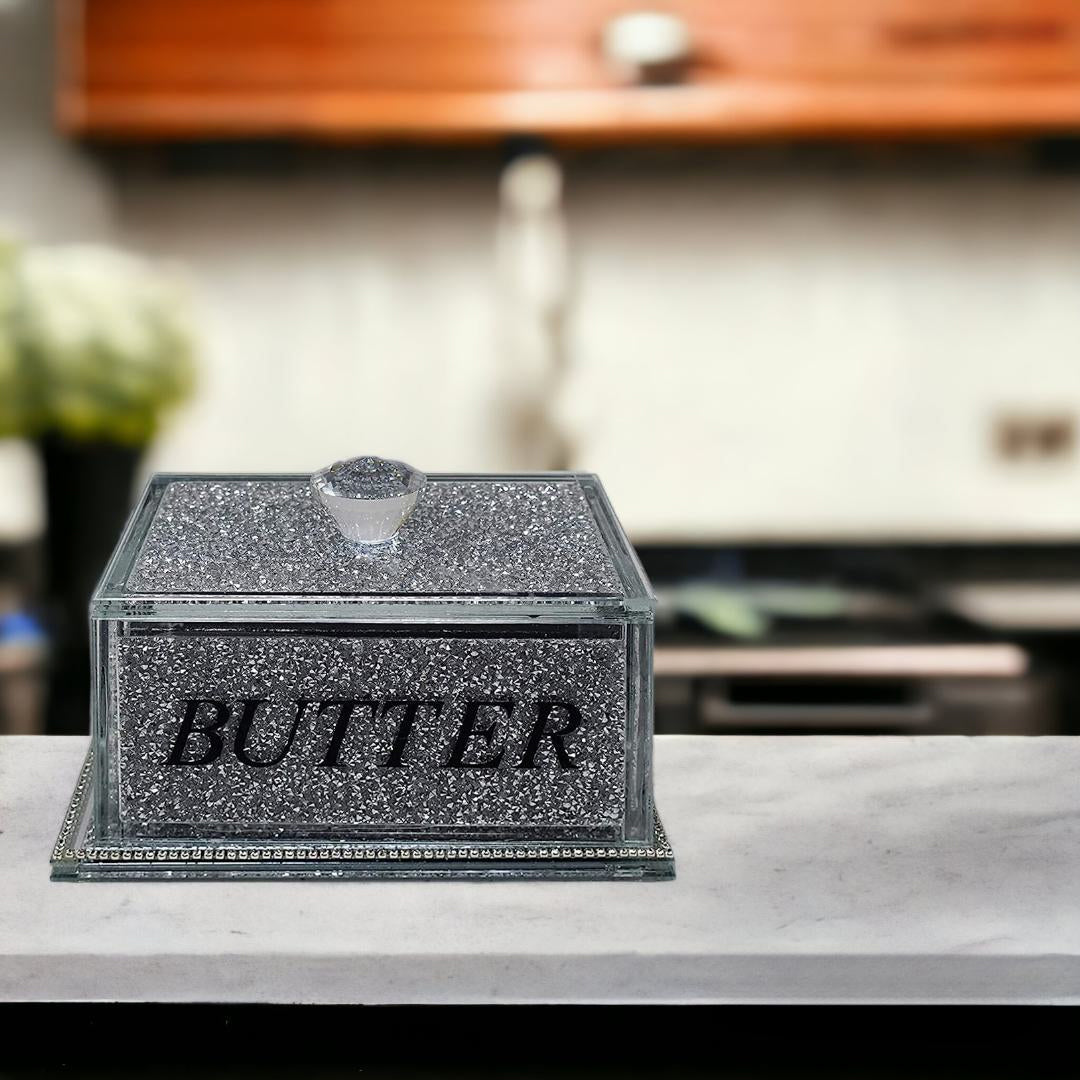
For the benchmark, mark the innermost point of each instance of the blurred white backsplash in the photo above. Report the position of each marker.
(748, 353)
(829, 356)
(799, 356)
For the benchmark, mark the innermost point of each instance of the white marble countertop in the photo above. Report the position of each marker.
(833, 869)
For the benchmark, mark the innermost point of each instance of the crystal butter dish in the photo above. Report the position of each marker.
(369, 672)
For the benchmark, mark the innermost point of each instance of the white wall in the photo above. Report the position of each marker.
(818, 354)
(759, 346)
(341, 315)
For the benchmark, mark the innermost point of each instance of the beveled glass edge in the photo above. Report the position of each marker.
(117, 570)
(639, 815)
(637, 590)
(78, 856)
(103, 734)
(111, 598)
(492, 609)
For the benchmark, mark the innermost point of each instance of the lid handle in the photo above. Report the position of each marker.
(369, 498)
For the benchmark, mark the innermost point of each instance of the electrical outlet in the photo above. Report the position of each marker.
(1034, 437)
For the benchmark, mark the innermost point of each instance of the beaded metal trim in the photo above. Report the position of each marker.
(198, 856)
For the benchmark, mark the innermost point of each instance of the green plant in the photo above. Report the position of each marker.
(99, 344)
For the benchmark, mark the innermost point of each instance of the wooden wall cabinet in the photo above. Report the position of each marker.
(474, 69)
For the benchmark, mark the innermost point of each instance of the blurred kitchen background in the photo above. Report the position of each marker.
(800, 279)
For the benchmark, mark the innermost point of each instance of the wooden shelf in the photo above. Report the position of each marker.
(480, 69)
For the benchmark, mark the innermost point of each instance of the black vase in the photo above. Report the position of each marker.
(88, 493)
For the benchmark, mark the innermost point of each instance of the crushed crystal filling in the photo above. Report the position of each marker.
(466, 537)
(371, 478)
(158, 673)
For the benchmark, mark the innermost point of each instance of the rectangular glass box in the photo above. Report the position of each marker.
(471, 698)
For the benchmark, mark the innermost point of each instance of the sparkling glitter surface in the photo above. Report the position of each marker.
(155, 672)
(483, 536)
(371, 478)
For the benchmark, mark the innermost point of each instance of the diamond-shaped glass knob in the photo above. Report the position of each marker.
(369, 498)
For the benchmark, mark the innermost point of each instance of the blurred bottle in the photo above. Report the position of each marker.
(534, 292)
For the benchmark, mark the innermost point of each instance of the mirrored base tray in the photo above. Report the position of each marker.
(79, 856)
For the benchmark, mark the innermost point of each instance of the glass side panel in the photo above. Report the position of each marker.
(265, 731)
(493, 535)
